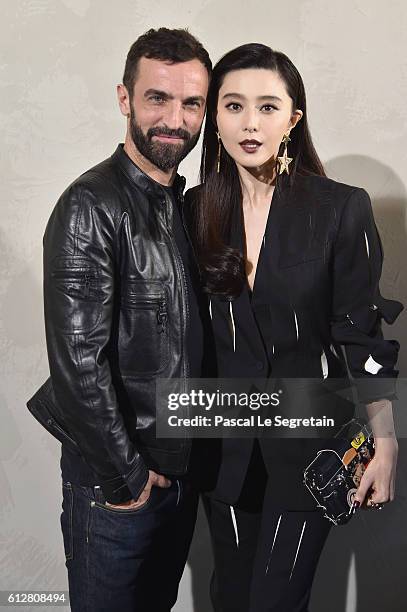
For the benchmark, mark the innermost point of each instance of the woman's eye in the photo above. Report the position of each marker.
(234, 106)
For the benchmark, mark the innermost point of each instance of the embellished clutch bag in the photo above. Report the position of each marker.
(334, 475)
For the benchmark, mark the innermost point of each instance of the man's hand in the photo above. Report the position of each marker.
(154, 480)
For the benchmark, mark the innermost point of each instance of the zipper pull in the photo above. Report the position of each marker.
(162, 316)
(87, 285)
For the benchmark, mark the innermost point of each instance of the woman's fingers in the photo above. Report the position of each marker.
(365, 484)
(377, 485)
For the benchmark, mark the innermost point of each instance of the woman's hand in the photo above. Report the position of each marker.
(378, 481)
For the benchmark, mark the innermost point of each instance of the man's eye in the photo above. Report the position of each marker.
(194, 104)
(156, 98)
(234, 106)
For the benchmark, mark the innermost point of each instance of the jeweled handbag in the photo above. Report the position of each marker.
(333, 476)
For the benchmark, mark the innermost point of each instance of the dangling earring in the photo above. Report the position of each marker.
(219, 152)
(284, 161)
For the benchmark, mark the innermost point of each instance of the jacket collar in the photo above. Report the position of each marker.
(142, 180)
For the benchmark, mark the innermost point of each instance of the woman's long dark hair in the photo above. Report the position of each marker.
(220, 194)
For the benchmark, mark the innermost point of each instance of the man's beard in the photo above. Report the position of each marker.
(164, 156)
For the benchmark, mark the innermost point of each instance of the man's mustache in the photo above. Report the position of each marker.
(167, 132)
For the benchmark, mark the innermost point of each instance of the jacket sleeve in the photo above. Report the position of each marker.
(357, 305)
(79, 276)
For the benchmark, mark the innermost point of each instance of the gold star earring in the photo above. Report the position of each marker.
(219, 152)
(284, 161)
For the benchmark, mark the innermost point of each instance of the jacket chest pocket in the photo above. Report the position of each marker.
(144, 328)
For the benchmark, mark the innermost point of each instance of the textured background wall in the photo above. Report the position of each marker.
(60, 62)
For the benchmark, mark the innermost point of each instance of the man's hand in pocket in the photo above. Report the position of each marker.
(154, 480)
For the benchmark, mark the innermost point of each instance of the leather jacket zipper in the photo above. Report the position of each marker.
(189, 239)
(87, 285)
(185, 310)
(162, 316)
(72, 276)
(182, 274)
(157, 303)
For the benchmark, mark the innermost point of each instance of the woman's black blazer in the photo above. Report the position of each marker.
(316, 289)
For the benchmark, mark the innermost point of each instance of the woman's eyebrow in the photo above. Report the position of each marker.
(275, 98)
(242, 97)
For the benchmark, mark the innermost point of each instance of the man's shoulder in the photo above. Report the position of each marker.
(102, 179)
(100, 186)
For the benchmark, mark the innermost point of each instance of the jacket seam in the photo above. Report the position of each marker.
(339, 223)
(78, 218)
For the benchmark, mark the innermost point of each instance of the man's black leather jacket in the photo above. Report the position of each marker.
(116, 311)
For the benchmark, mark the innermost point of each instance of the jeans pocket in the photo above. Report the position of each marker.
(161, 499)
(99, 501)
(67, 519)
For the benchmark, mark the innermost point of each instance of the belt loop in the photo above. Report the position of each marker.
(97, 493)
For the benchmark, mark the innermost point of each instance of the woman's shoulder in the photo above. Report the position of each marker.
(191, 193)
(191, 203)
(317, 190)
(333, 200)
(325, 190)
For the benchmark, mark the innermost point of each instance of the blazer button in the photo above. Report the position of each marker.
(259, 365)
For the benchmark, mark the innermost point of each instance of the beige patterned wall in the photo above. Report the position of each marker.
(60, 61)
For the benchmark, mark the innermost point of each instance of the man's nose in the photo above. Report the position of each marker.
(174, 118)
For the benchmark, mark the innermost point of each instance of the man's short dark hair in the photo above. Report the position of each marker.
(176, 45)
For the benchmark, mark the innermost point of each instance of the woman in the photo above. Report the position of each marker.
(291, 261)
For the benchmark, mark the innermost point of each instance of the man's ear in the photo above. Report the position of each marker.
(124, 100)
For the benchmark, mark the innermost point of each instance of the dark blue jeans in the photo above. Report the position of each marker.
(127, 560)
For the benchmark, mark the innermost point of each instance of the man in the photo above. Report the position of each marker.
(122, 309)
